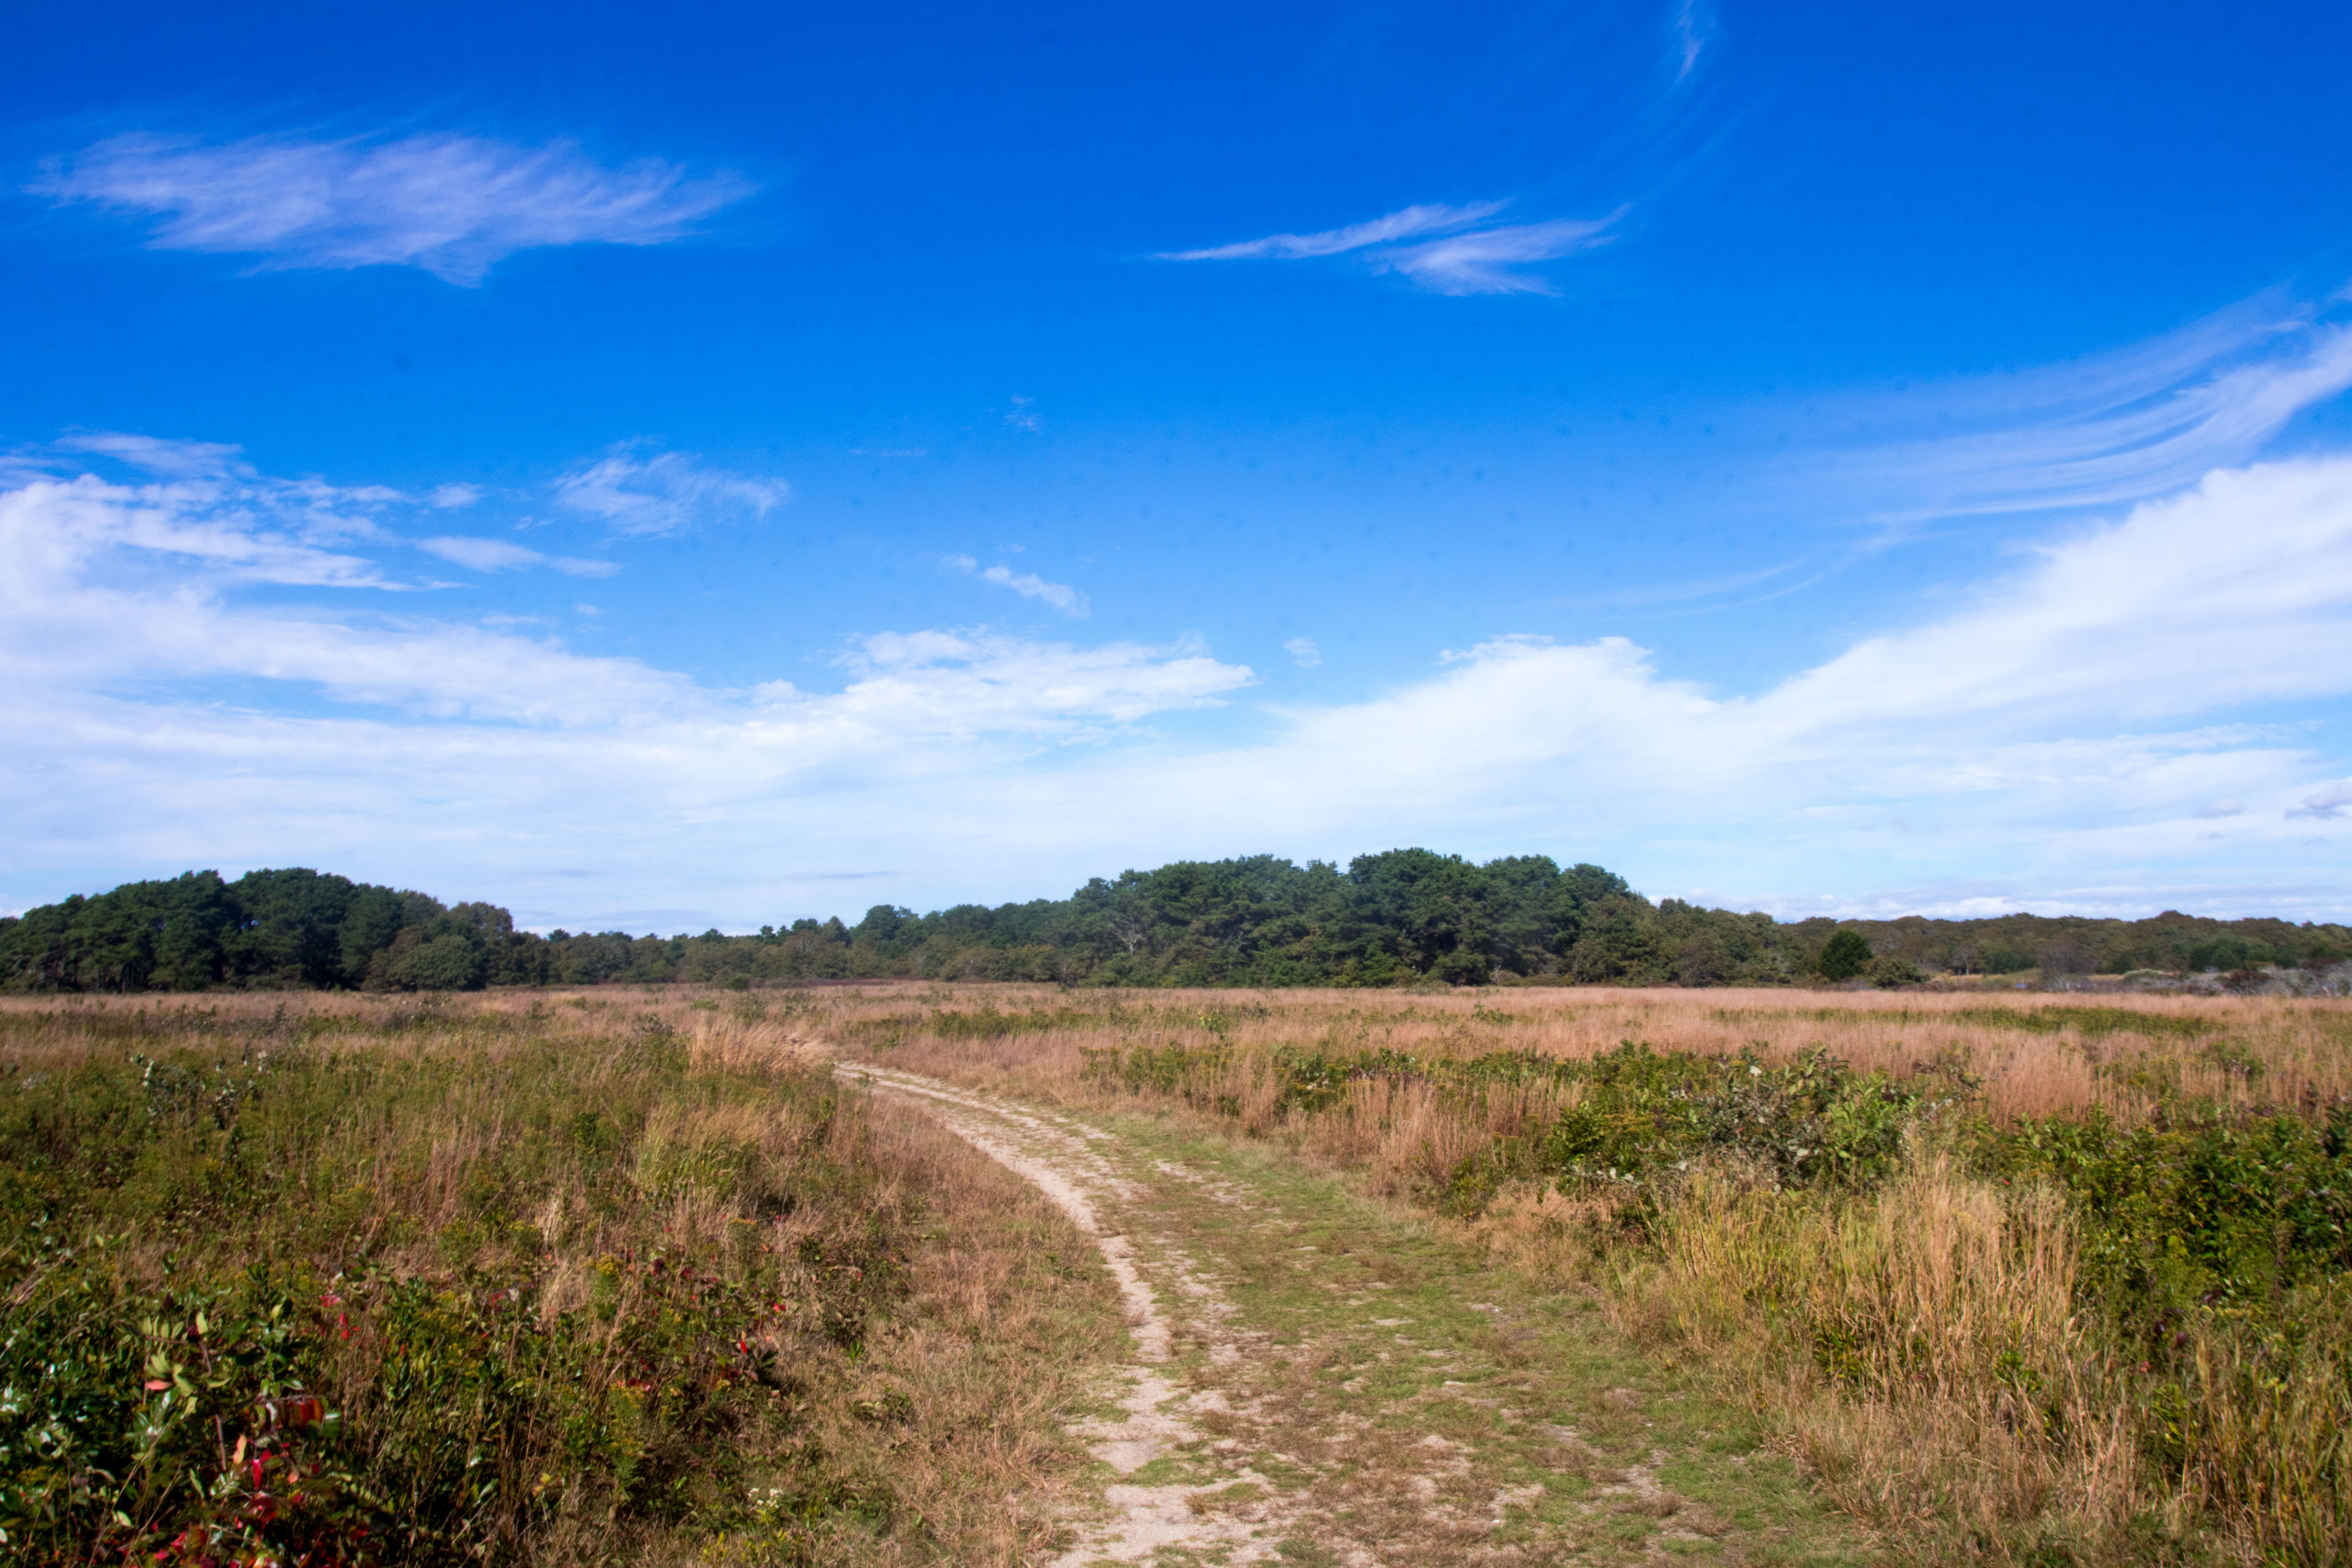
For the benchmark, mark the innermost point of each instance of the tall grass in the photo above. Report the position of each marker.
(549, 1280)
(2025, 1278)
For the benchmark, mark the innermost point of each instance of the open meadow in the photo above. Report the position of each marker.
(857, 1273)
(2026, 1277)
(318, 1279)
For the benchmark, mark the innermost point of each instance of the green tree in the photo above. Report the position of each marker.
(1846, 955)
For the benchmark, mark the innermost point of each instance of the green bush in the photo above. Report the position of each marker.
(220, 1343)
(1890, 971)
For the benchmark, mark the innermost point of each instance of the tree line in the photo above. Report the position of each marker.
(1396, 918)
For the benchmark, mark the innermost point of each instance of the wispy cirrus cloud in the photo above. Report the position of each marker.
(1403, 223)
(1471, 254)
(452, 204)
(155, 455)
(2103, 430)
(202, 503)
(104, 582)
(505, 555)
(1483, 261)
(1028, 584)
(667, 492)
(1694, 30)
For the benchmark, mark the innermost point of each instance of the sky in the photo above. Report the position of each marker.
(712, 465)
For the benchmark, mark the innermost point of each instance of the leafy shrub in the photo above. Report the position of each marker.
(255, 1314)
(2080, 1318)
(1890, 971)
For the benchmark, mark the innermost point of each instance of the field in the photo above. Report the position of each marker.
(632, 1275)
(552, 1279)
(2024, 1277)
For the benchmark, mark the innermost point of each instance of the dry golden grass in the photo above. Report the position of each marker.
(976, 1361)
(1923, 1346)
(2302, 1046)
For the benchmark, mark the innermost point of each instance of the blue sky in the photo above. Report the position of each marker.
(740, 463)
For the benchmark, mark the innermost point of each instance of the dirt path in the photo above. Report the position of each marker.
(1318, 1381)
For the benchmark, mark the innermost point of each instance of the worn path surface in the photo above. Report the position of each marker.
(1318, 1381)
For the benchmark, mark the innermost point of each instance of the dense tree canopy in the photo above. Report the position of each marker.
(1387, 919)
(267, 929)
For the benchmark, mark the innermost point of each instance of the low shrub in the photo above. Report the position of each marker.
(298, 1299)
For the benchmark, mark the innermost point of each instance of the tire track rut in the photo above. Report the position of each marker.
(1320, 1388)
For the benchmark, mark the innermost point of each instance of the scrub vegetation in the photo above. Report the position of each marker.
(2024, 1280)
(355, 1280)
(620, 1275)
(1406, 917)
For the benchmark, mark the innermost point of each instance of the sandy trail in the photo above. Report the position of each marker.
(1159, 1283)
(1322, 1383)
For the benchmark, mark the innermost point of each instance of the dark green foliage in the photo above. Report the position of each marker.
(265, 929)
(1890, 970)
(1397, 918)
(1845, 955)
(2202, 1211)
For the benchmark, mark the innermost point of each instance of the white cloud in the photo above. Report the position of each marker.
(2064, 734)
(504, 555)
(1028, 584)
(2102, 431)
(1303, 652)
(959, 683)
(452, 498)
(104, 584)
(213, 516)
(665, 493)
(170, 459)
(1476, 257)
(1403, 224)
(2328, 803)
(1481, 262)
(452, 204)
(1694, 30)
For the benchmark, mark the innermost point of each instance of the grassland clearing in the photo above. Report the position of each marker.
(1323, 1377)
(1363, 1277)
(557, 1279)
(2014, 1279)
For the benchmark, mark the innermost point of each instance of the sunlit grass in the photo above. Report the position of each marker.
(2021, 1278)
(520, 1279)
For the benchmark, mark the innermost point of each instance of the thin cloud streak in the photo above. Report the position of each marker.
(1475, 256)
(1481, 262)
(454, 206)
(667, 492)
(1028, 584)
(1694, 30)
(504, 555)
(1403, 223)
(2107, 431)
